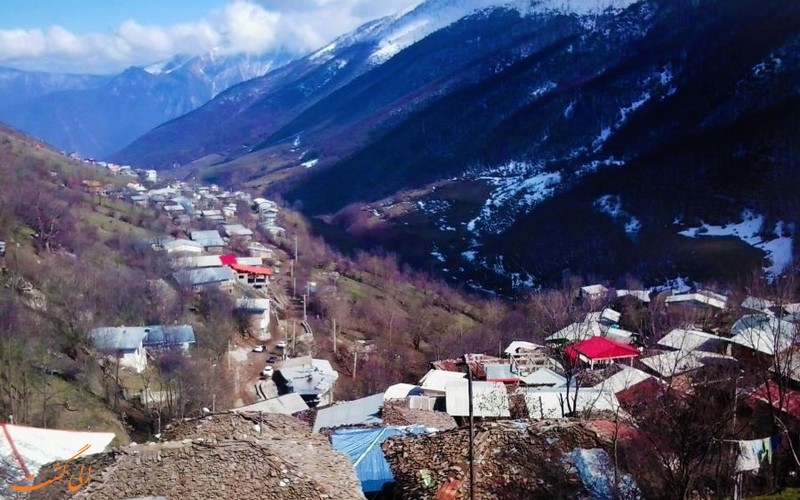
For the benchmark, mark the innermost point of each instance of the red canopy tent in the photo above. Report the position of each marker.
(598, 350)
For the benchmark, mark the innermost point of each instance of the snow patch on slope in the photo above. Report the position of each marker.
(778, 250)
(611, 205)
(518, 186)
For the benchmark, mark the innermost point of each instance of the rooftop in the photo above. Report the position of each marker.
(359, 412)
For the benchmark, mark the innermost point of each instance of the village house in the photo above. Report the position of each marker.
(224, 277)
(180, 247)
(237, 231)
(129, 344)
(210, 239)
(313, 379)
(702, 300)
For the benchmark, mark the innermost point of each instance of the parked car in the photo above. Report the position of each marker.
(281, 345)
(272, 359)
(259, 348)
(267, 372)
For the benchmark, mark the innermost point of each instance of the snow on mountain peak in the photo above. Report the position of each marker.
(423, 18)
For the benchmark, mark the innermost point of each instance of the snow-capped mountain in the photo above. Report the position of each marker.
(533, 139)
(95, 116)
(257, 111)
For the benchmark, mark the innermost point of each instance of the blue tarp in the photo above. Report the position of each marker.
(363, 447)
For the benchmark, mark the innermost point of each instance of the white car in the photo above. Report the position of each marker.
(267, 372)
(281, 345)
(259, 348)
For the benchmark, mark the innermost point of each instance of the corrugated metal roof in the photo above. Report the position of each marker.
(521, 345)
(361, 411)
(642, 295)
(363, 448)
(199, 261)
(545, 377)
(437, 380)
(499, 371)
(553, 403)
(690, 340)
(128, 338)
(624, 379)
(117, 339)
(401, 391)
(287, 404)
(764, 333)
(576, 332)
(670, 364)
(209, 238)
(489, 399)
(237, 230)
(206, 276)
(308, 376)
(251, 304)
(158, 335)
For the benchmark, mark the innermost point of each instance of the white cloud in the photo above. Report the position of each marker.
(252, 26)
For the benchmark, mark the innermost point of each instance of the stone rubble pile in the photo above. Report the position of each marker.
(397, 412)
(512, 460)
(222, 456)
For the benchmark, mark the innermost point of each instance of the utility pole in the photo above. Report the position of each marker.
(305, 315)
(355, 362)
(471, 433)
(334, 335)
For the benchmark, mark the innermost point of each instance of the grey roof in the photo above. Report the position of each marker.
(251, 304)
(210, 238)
(117, 339)
(287, 404)
(308, 376)
(499, 371)
(545, 377)
(361, 411)
(691, 340)
(204, 276)
(237, 230)
(764, 333)
(171, 245)
(158, 335)
(128, 338)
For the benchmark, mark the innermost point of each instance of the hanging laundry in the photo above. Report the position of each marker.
(750, 454)
(766, 450)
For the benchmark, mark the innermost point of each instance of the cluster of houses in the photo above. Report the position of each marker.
(228, 257)
(589, 367)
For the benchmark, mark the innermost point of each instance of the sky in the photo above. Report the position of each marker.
(107, 36)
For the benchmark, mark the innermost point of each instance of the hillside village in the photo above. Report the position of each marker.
(596, 407)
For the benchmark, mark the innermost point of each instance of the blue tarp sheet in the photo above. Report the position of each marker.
(363, 447)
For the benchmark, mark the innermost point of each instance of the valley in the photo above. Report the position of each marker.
(469, 249)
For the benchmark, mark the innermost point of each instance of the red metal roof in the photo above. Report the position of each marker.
(264, 271)
(599, 348)
(228, 259)
(769, 391)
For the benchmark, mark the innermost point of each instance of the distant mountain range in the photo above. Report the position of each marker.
(510, 144)
(98, 115)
